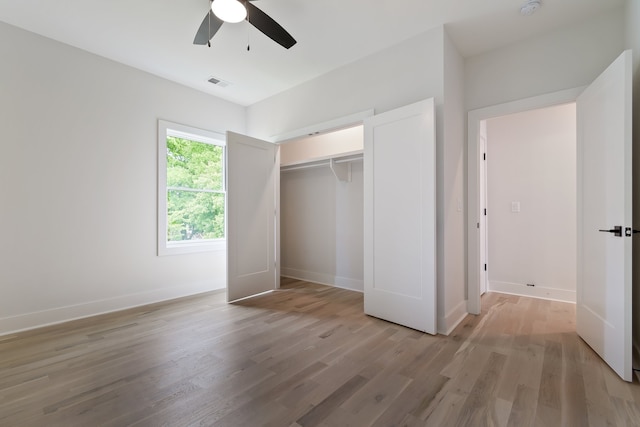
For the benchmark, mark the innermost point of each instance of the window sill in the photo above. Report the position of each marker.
(190, 247)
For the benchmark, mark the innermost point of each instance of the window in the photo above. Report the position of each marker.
(191, 189)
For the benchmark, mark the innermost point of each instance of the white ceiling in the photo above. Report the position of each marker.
(157, 35)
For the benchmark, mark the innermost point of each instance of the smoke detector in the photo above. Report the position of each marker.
(530, 7)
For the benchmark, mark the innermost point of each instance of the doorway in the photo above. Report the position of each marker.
(321, 205)
(476, 256)
(528, 195)
(399, 214)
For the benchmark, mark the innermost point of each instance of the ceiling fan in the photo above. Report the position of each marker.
(235, 11)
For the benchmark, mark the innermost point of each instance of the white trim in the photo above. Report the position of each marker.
(307, 276)
(324, 279)
(194, 133)
(448, 323)
(195, 190)
(192, 246)
(324, 127)
(276, 232)
(349, 283)
(166, 128)
(38, 319)
(542, 292)
(473, 159)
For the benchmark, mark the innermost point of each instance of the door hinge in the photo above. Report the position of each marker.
(485, 211)
(484, 156)
(485, 267)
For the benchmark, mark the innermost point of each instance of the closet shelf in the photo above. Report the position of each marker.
(340, 165)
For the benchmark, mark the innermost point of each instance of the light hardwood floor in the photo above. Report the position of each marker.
(306, 355)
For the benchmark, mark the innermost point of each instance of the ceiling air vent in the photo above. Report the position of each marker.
(218, 82)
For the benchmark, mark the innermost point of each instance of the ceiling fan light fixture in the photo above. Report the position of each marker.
(229, 10)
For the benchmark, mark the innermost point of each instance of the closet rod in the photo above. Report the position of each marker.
(304, 166)
(321, 163)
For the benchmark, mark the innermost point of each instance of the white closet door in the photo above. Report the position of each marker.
(253, 174)
(399, 216)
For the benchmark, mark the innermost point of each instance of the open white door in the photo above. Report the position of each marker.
(603, 310)
(399, 216)
(252, 190)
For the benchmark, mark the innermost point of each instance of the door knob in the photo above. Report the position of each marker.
(617, 231)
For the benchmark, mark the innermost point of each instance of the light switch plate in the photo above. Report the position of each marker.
(515, 207)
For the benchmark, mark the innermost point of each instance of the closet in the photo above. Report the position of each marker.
(321, 205)
(357, 210)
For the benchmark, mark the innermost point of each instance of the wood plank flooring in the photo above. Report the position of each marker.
(306, 356)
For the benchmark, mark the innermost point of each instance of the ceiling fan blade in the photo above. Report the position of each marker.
(268, 26)
(210, 25)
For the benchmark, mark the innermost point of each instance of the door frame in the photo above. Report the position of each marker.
(475, 117)
(483, 225)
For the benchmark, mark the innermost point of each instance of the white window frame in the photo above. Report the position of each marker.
(165, 129)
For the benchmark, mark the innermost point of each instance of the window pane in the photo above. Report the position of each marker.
(193, 215)
(192, 164)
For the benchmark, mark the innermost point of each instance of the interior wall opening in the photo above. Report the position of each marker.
(528, 195)
(322, 208)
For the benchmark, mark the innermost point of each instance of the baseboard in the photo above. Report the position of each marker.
(542, 292)
(348, 283)
(27, 321)
(323, 279)
(448, 323)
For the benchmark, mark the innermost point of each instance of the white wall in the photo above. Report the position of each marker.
(531, 160)
(567, 58)
(451, 212)
(78, 183)
(397, 76)
(322, 226)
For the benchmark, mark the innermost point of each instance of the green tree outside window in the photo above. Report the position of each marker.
(195, 190)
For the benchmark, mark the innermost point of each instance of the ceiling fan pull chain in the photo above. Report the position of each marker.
(248, 34)
(209, 18)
